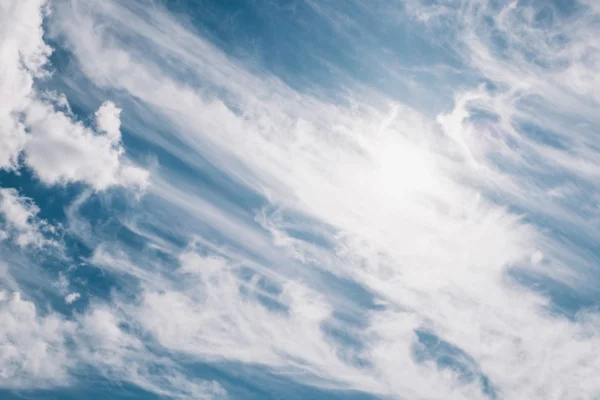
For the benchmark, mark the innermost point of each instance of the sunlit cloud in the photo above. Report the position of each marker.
(343, 240)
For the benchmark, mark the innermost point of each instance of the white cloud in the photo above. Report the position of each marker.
(72, 297)
(216, 315)
(47, 351)
(410, 218)
(406, 200)
(57, 148)
(108, 121)
(23, 55)
(20, 221)
(62, 151)
(119, 355)
(33, 348)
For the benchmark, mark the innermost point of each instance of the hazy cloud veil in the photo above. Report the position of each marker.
(299, 199)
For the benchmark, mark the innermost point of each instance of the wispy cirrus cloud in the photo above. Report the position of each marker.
(367, 244)
(411, 205)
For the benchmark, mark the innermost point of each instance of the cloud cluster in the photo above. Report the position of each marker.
(419, 212)
(56, 147)
(33, 347)
(41, 348)
(45, 350)
(19, 220)
(360, 245)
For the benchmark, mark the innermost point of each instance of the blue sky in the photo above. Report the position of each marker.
(299, 199)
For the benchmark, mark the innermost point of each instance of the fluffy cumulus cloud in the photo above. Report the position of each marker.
(345, 243)
(33, 349)
(19, 220)
(62, 151)
(52, 143)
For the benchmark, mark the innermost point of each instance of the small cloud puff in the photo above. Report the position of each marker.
(71, 298)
